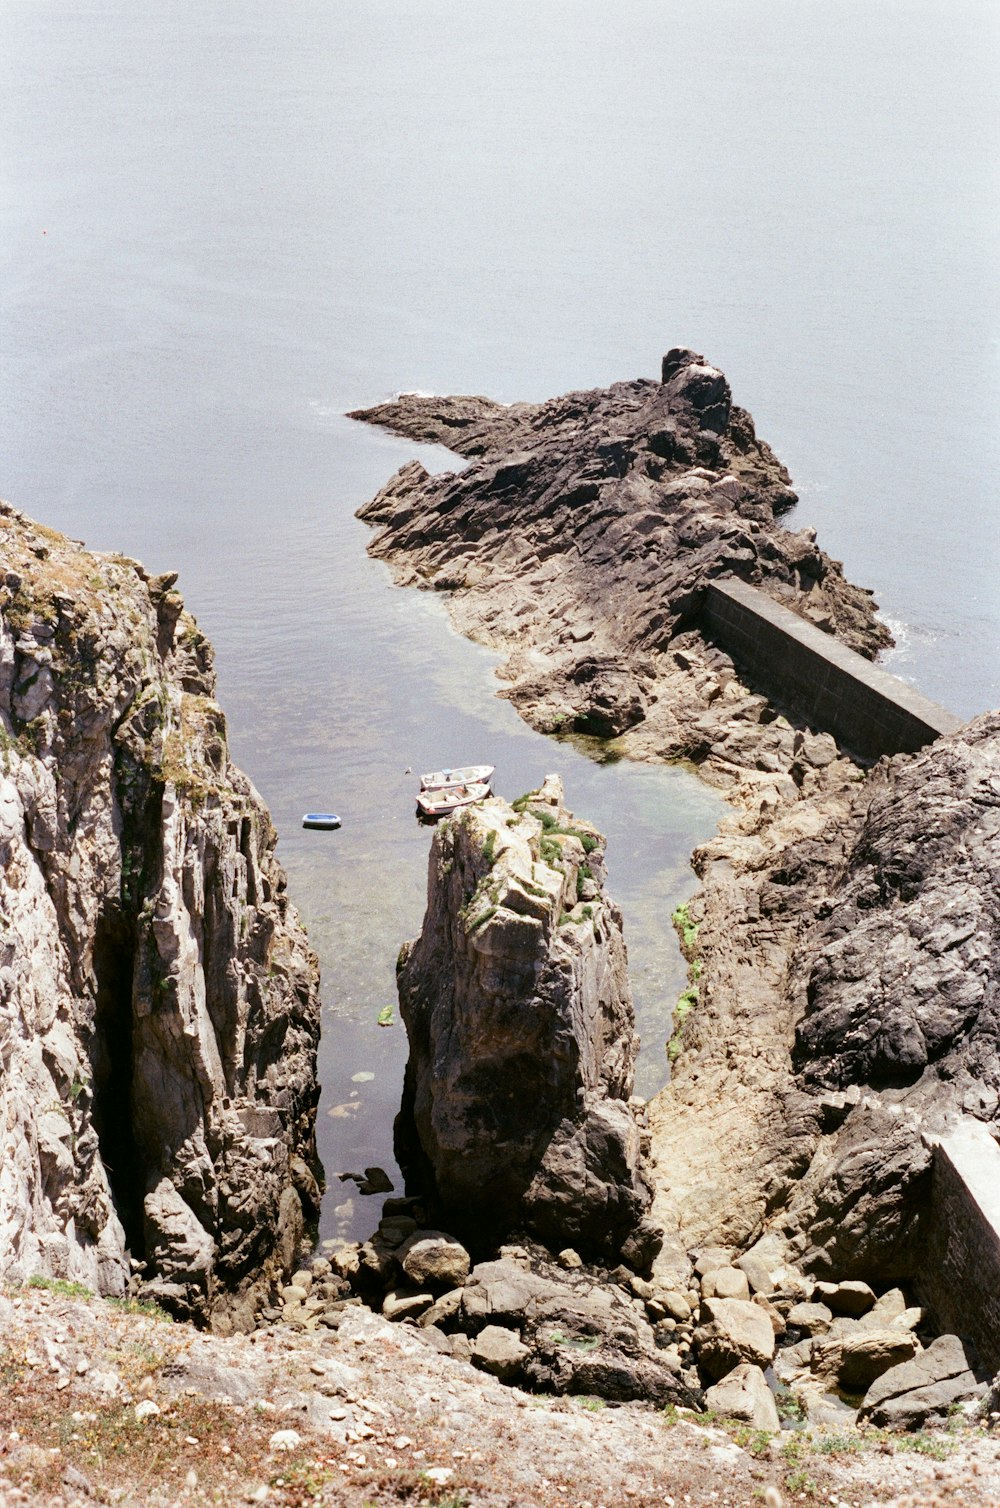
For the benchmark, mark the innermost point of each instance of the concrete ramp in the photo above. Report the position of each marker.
(868, 711)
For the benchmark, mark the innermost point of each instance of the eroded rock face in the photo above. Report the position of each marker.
(881, 1027)
(587, 528)
(522, 1040)
(159, 1008)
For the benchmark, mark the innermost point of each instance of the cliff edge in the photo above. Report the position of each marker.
(159, 1007)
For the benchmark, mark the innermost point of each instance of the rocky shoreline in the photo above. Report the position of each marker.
(839, 943)
(573, 1279)
(578, 542)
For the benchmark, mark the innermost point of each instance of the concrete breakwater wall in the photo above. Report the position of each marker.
(867, 710)
(960, 1281)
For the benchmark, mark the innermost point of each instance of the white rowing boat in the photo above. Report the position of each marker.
(470, 774)
(434, 804)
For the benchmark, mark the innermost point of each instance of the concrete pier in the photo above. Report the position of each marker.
(868, 711)
(960, 1272)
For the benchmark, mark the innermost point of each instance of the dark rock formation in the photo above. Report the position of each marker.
(159, 1008)
(844, 944)
(588, 526)
(581, 1337)
(522, 1043)
(875, 1019)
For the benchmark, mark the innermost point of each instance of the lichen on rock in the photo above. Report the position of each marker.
(522, 1039)
(159, 1008)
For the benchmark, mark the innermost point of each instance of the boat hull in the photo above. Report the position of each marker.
(470, 774)
(431, 805)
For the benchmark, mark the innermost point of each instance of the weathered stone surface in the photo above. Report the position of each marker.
(856, 1359)
(814, 1319)
(522, 1041)
(851, 1297)
(434, 1258)
(582, 1338)
(867, 923)
(499, 1351)
(854, 917)
(725, 1283)
(921, 1391)
(744, 1394)
(732, 1331)
(589, 526)
(159, 1007)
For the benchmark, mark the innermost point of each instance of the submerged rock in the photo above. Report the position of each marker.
(159, 1007)
(522, 1041)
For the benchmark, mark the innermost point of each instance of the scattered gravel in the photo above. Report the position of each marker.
(371, 1414)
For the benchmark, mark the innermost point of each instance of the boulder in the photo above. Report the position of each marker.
(850, 1298)
(758, 1277)
(433, 1259)
(395, 1229)
(674, 1303)
(443, 1309)
(732, 1331)
(921, 1391)
(814, 1319)
(744, 1394)
(582, 1338)
(503, 1292)
(857, 1359)
(886, 1310)
(499, 1351)
(405, 1303)
(725, 1283)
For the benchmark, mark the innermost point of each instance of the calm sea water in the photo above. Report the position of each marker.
(222, 224)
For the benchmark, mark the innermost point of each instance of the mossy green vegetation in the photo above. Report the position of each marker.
(687, 930)
(62, 1286)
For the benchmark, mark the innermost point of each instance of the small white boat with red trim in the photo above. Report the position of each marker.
(470, 774)
(434, 804)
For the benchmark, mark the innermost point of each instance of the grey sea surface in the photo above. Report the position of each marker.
(222, 225)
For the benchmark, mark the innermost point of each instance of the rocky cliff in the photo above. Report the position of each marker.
(844, 938)
(522, 1039)
(159, 1009)
(848, 1005)
(579, 541)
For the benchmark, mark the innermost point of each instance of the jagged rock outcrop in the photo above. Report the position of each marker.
(522, 1040)
(882, 1027)
(159, 1009)
(579, 542)
(844, 941)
